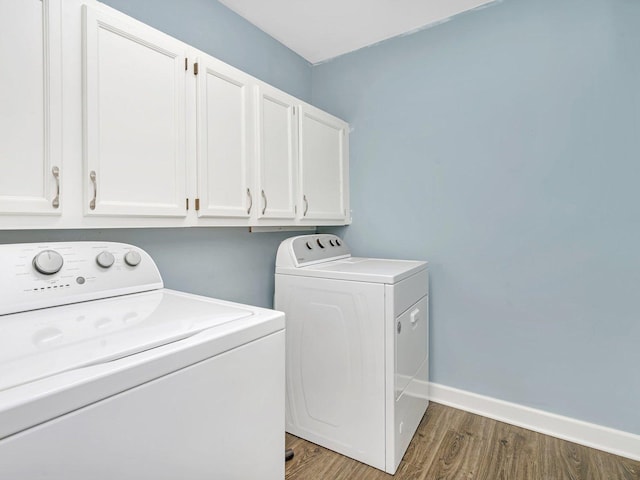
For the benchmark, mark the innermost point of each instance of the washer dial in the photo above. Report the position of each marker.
(132, 258)
(48, 262)
(105, 259)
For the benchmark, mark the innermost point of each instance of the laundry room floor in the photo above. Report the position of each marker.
(453, 444)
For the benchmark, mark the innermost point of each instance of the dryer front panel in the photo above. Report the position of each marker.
(335, 364)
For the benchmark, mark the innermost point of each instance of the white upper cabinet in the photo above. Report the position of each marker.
(277, 155)
(30, 106)
(225, 140)
(148, 139)
(134, 118)
(323, 143)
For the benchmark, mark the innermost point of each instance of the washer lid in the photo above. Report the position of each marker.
(42, 343)
(374, 270)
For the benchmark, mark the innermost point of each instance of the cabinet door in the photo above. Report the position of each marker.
(225, 142)
(134, 120)
(277, 153)
(323, 146)
(30, 102)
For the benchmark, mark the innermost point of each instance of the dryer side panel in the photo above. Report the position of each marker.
(335, 364)
(407, 363)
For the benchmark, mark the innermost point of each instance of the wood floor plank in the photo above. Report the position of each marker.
(437, 420)
(613, 467)
(450, 455)
(459, 454)
(454, 445)
(510, 454)
(575, 461)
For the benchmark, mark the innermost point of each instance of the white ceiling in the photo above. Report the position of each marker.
(319, 30)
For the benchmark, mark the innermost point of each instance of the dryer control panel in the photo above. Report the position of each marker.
(40, 275)
(311, 249)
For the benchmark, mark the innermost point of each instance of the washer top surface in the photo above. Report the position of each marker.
(43, 343)
(328, 256)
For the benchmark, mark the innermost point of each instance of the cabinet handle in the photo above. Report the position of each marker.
(92, 203)
(264, 197)
(55, 171)
(250, 201)
(306, 205)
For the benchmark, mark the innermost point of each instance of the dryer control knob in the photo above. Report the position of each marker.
(48, 262)
(132, 258)
(105, 259)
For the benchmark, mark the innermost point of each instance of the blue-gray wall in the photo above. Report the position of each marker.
(504, 148)
(228, 263)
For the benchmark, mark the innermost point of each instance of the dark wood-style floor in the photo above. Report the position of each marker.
(452, 444)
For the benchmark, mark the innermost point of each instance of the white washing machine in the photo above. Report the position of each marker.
(105, 374)
(356, 348)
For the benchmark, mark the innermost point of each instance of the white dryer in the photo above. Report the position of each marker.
(356, 348)
(105, 374)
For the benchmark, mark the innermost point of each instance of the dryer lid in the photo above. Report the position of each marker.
(43, 343)
(373, 270)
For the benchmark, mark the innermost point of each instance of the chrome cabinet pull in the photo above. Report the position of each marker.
(306, 205)
(250, 201)
(55, 171)
(264, 197)
(92, 203)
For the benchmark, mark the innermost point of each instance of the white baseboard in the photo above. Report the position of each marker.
(589, 434)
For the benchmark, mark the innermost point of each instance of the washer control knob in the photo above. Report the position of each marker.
(332, 243)
(319, 243)
(132, 258)
(48, 262)
(338, 243)
(309, 246)
(105, 259)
